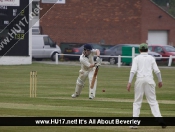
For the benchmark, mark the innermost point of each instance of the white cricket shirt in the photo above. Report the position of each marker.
(87, 61)
(143, 65)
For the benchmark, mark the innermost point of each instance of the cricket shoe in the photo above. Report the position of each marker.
(74, 95)
(133, 127)
(163, 125)
(91, 97)
(161, 122)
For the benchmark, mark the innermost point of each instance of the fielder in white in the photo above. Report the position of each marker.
(144, 65)
(87, 70)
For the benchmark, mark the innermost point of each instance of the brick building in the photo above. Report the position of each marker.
(111, 21)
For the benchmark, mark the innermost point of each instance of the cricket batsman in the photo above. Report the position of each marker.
(87, 70)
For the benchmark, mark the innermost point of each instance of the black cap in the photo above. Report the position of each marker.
(88, 47)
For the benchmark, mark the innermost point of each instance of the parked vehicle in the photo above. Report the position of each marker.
(105, 46)
(77, 51)
(70, 48)
(114, 51)
(43, 47)
(117, 50)
(154, 54)
(164, 50)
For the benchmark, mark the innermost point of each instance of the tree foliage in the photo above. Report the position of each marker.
(163, 3)
(172, 7)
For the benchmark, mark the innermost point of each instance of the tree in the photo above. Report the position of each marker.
(161, 2)
(172, 7)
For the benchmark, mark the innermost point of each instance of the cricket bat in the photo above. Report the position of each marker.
(94, 77)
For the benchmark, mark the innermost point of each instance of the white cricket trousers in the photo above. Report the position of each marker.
(82, 78)
(145, 86)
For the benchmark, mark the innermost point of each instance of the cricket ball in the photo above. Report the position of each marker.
(103, 90)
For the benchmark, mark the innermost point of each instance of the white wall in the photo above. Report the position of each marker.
(36, 18)
(7, 60)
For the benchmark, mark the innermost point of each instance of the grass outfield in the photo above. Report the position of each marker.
(56, 83)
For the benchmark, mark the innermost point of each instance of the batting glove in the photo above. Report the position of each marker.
(98, 60)
(97, 64)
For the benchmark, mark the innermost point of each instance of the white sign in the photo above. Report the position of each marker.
(54, 1)
(9, 2)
